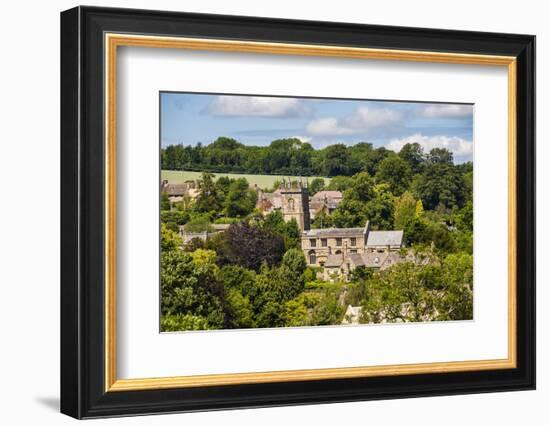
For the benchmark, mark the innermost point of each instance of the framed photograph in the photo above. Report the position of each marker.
(261, 212)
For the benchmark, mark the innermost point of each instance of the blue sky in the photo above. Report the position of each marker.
(189, 118)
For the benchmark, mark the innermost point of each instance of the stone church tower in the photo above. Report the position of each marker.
(295, 203)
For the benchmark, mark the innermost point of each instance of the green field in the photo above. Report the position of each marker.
(262, 180)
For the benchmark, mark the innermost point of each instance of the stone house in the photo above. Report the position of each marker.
(203, 236)
(340, 251)
(324, 201)
(177, 191)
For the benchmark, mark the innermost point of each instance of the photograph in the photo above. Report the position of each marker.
(297, 211)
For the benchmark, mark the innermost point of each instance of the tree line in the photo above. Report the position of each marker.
(288, 156)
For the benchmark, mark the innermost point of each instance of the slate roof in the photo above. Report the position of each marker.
(385, 238)
(356, 259)
(334, 260)
(384, 259)
(330, 194)
(351, 231)
(374, 259)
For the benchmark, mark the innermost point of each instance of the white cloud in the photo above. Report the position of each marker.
(457, 145)
(252, 106)
(303, 139)
(447, 111)
(327, 127)
(360, 122)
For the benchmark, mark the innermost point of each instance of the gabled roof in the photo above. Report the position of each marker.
(374, 259)
(385, 238)
(381, 260)
(334, 260)
(175, 189)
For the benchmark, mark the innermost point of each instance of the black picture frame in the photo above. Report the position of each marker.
(83, 392)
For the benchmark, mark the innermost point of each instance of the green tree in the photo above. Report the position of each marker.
(322, 220)
(169, 240)
(316, 185)
(274, 222)
(413, 155)
(335, 160)
(440, 183)
(440, 156)
(198, 224)
(183, 322)
(399, 294)
(465, 217)
(340, 183)
(396, 173)
(239, 278)
(456, 302)
(165, 204)
(288, 230)
(291, 273)
(175, 216)
(189, 288)
(405, 210)
(296, 311)
(365, 201)
(374, 159)
(292, 234)
(240, 200)
(407, 218)
(327, 311)
(241, 312)
(209, 198)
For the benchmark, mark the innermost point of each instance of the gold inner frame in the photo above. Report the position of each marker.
(113, 41)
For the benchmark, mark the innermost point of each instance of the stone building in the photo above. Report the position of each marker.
(295, 204)
(177, 191)
(291, 198)
(325, 201)
(203, 236)
(340, 251)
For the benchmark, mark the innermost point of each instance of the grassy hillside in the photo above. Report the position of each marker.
(262, 180)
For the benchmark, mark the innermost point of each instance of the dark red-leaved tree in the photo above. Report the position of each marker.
(250, 246)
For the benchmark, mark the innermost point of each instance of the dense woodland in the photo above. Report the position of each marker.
(255, 275)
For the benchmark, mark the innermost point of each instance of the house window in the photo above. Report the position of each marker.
(312, 257)
(353, 241)
(313, 243)
(353, 251)
(338, 241)
(323, 242)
